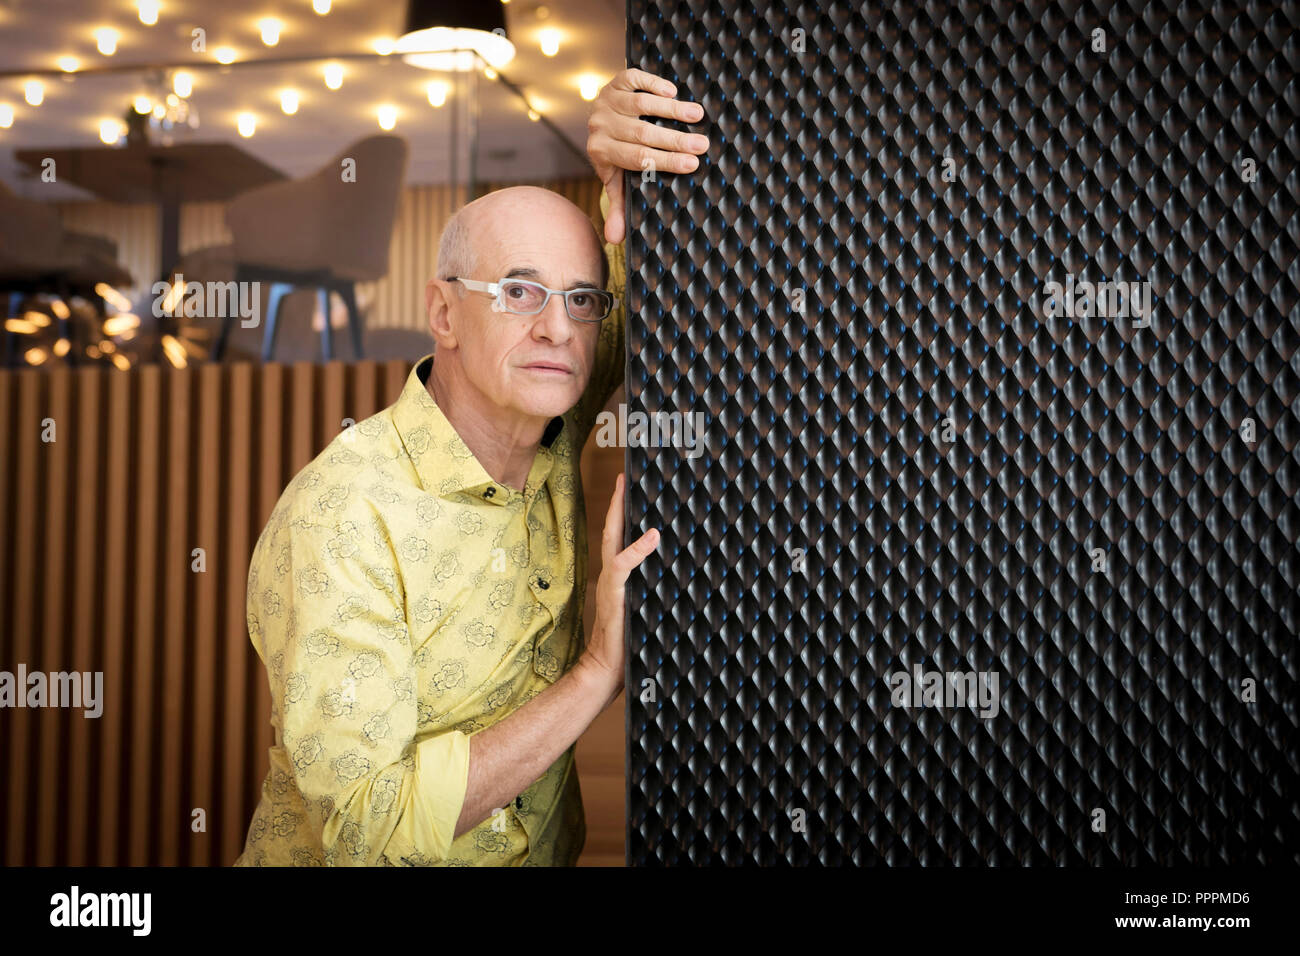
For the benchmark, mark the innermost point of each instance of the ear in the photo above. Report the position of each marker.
(440, 301)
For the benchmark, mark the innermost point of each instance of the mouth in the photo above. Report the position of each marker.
(548, 368)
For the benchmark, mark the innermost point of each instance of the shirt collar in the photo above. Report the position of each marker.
(442, 460)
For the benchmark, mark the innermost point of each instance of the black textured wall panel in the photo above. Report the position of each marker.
(922, 457)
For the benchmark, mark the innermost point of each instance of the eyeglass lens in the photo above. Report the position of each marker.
(527, 298)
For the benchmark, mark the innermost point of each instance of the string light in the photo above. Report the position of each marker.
(183, 84)
(142, 104)
(437, 93)
(387, 116)
(34, 92)
(322, 7)
(589, 86)
(148, 10)
(270, 28)
(6, 116)
(550, 40)
(289, 102)
(224, 54)
(69, 64)
(106, 40)
(247, 124)
(333, 75)
(384, 46)
(110, 130)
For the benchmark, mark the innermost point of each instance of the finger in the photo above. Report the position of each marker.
(641, 158)
(628, 560)
(634, 79)
(624, 129)
(615, 225)
(612, 538)
(634, 104)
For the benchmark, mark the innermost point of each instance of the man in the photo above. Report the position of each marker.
(417, 592)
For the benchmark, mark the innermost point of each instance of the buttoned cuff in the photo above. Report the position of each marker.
(442, 777)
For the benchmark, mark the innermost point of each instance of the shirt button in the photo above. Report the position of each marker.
(490, 492)
(519, 803)
(542, 584)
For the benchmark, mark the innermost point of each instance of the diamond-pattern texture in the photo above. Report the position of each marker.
(920, 466)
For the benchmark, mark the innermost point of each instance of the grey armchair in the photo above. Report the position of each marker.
(319, 232)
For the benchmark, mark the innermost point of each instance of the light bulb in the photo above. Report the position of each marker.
(6, 116)
(183, 84)
(247, 124)
(384, 46)
(148, 10)
(106, 40)
(333, 75)
(387, 116)
(437, 93)
(224, 54)
(270, 28)
(142, 105)
(109, 131)
(322, 7)
(69, 64)
(589, 86)
(34, 92)
(289, 101)
(549, 40)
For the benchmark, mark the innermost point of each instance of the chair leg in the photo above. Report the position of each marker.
(348, 292)
(278, 291)
(326, 329)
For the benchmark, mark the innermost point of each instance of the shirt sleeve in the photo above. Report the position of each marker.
(609, 369)
(344, 698)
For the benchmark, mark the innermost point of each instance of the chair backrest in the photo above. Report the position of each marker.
(29, 230)
(359, 215)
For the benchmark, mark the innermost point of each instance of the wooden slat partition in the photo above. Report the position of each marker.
(97, 532)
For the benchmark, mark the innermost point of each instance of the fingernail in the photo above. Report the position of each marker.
(695, 111)
(699, 142)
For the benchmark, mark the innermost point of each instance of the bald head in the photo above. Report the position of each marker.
(494, 226)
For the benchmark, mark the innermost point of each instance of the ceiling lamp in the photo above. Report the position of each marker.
(436, 28)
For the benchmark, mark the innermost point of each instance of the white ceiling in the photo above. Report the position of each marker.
(34, 34)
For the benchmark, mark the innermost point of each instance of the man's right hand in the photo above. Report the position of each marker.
(605, 656)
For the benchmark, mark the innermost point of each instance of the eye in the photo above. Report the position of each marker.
(581, 300)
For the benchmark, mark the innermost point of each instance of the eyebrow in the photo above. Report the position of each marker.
(528, 272)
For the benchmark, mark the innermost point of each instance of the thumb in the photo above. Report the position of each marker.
(615, 225)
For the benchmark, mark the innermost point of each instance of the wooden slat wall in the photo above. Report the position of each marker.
(398, 299)
(98, 527)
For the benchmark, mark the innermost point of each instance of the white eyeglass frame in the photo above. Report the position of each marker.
(495, 289)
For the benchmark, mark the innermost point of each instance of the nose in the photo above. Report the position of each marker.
(553, 324)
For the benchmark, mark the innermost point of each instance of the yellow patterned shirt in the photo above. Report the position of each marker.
(402, 600)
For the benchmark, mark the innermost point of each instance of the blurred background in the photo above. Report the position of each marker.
(311, 150)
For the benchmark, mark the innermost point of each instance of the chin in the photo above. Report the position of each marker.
(549, 402)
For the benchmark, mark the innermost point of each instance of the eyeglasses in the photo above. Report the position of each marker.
(522, 297)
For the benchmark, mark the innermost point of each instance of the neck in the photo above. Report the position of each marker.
(504, 442)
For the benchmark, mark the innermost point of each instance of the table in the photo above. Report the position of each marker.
(166, 175)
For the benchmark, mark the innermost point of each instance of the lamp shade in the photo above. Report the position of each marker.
(440, 35)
